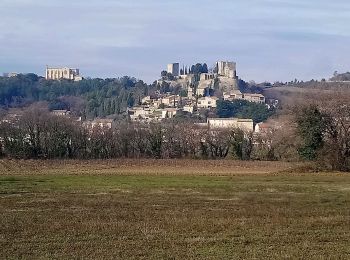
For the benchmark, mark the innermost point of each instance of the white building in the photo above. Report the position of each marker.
(169, 112)
(232, 95)
(224, 123)
(101, 123)
(207, 102)
(171, 101)
(60, 112)
(188, 109)
(62, 73)
(137, 113)
(236, 94)
(257, 98)
(263, 128)
(146, 100)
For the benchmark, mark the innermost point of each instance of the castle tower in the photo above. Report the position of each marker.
(174, 68)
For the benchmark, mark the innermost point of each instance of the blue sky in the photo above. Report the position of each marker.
(269, 39)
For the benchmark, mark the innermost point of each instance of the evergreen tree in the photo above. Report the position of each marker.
(205, 68)
(311, 125)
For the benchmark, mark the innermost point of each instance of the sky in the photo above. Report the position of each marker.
(271, 40)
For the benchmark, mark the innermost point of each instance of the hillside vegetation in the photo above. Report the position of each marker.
(89, 97)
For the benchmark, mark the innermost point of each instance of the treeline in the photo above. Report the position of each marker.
(39, 135)
(318, 135)
(89, 97)
(340, 76)
(243, 109)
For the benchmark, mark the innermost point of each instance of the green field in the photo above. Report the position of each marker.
(127, 214)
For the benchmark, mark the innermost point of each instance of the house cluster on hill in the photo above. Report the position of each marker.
(198, 91)
(203, 88)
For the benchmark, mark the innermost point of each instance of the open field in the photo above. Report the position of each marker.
(178, 210)
(142, 167)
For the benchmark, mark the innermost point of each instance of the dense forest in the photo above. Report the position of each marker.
(243, 109)
(89, 97)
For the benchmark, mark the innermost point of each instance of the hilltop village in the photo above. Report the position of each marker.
(186, 92)
(189, 111)
(199, 89)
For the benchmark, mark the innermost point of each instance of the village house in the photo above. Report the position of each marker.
(263, 128)
(226, 123)
(170, 101)
(169, 112)
(207, 102)
(60, 112)
(150, 100)
(236, 94)
(140, 112)
(189, 108)
(257, 98)
(146, 100)
(99, 122)
(232, 95)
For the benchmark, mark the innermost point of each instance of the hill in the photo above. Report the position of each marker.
(89, 97)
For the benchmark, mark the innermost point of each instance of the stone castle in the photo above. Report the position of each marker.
(62, 73)
(226, 69)
(223, 77)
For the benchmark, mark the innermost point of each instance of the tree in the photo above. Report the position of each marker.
(90, 97)
(336, 149)
(170, 76)
(131, 100)
(311, 126)
(218, 143)
(156, 140)
(243, 109)
(242, 144)
(205, 68)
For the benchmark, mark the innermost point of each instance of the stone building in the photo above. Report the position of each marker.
(62, 73)
(60, 112)
(236, 94)
(227, 123)
(174, 69)
(99, 123)
(257, 98)
(226, 69)
(206, 76)
(207, 102)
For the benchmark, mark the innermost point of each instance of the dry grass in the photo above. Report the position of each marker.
(297, 96)
(142, 167)
(120, 210)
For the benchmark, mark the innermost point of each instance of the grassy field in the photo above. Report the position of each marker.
(180, 210)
